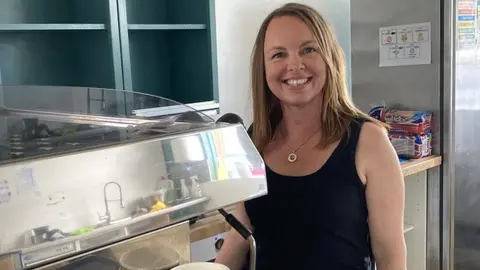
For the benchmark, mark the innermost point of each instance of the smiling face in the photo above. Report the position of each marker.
(294, 68)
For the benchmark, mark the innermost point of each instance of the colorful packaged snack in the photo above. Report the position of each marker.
(412, 146)
(378, 112)
(409, 122)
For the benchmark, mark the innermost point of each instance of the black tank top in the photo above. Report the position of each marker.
(318, 221)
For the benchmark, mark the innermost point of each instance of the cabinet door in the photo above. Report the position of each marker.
(60, 43)
(168, 48)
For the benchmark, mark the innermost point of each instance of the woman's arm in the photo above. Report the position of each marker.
(234, 249)
(385, 191)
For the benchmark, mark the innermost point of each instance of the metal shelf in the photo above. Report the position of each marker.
(167, 27)
(50, 27)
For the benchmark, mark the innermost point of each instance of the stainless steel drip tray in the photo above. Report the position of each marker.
(44, 252)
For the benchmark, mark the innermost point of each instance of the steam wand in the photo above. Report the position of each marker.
(245, 233)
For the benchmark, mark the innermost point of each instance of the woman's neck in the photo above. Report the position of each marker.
(299, 123)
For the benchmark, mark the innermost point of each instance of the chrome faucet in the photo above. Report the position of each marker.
(107, 215)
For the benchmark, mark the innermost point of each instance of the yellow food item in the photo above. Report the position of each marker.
(158, 206)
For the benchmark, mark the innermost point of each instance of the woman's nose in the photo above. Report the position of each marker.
(295, 63)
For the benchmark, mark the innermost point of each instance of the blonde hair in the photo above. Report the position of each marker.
(337, 108)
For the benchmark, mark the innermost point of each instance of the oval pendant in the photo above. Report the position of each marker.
(292, 157)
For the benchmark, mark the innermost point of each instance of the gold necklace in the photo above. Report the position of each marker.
(292, 157)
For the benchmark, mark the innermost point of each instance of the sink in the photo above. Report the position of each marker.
(121, 220)
(105, 233)
(113, 222)
(100, 225)
(139, 227)
(127, 228)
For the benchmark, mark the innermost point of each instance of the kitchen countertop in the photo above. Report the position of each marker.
(214, 223)
(414, 166)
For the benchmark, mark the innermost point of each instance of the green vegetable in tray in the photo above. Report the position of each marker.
(81, 231)
(67, 131)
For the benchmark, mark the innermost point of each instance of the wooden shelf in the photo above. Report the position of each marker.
(418, 165)
(50, 27)
(167, 27)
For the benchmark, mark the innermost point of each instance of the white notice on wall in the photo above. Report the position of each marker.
(403, 45)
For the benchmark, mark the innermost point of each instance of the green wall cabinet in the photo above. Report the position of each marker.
(160, 47)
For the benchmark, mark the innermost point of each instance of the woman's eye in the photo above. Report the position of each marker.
(308, 50)
(277, 55)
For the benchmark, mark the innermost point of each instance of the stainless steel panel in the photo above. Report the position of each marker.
(466, 128)
(175, 240)
(404, 87)
(409, 87)
(448, 135)
(67, 190)
(434, 220)
(152, 173)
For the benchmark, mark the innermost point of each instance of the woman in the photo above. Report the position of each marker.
(335, 187)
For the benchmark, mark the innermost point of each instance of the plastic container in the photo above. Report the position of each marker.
(201, 266)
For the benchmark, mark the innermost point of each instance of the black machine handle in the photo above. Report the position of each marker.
(236, 225)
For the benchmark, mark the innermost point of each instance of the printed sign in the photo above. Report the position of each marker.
(405, 45)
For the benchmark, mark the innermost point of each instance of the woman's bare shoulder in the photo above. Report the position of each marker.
(374, 149)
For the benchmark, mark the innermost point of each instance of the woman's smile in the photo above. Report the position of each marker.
(297, 83)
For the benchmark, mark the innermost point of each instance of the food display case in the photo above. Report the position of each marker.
(108, 179)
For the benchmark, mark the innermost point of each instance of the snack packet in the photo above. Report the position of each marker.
(412, 146)
(378, 111)
(409, 122)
